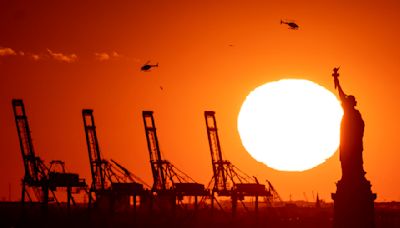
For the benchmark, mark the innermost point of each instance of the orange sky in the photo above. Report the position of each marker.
(211, 56)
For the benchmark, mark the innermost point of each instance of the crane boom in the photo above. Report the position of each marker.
(156, 162)
(220, 175)
(34, 171)
(96, 167)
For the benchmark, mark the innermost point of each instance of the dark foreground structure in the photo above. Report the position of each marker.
(353, 200)
(387, 215)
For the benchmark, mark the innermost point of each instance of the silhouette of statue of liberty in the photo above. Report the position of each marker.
(351, 134)
(353, 200)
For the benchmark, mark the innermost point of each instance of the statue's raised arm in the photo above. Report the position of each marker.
(335, 75)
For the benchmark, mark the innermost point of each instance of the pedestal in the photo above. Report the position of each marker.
(353, 204)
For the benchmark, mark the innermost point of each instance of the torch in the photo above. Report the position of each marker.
(336, 76)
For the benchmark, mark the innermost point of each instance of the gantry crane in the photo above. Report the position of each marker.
(38, 177)
(227, 179)
(111, 181)
(169, 181)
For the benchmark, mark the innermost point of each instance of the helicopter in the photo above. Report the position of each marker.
(292, 25)
(147, 66)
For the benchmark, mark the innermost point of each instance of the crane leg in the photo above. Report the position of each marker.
(256, 206)
(212, 201)
(45, 202)
(234, 205)
(69, 196)
(134, 203)
(23, 194)
(195, 204)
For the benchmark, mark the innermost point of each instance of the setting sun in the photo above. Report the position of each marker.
(291, 124)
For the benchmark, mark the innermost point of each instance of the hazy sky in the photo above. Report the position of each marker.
(62, 56)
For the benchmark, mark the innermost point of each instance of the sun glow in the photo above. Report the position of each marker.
(291, 124)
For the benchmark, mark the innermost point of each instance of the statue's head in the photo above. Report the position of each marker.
(350, 101)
